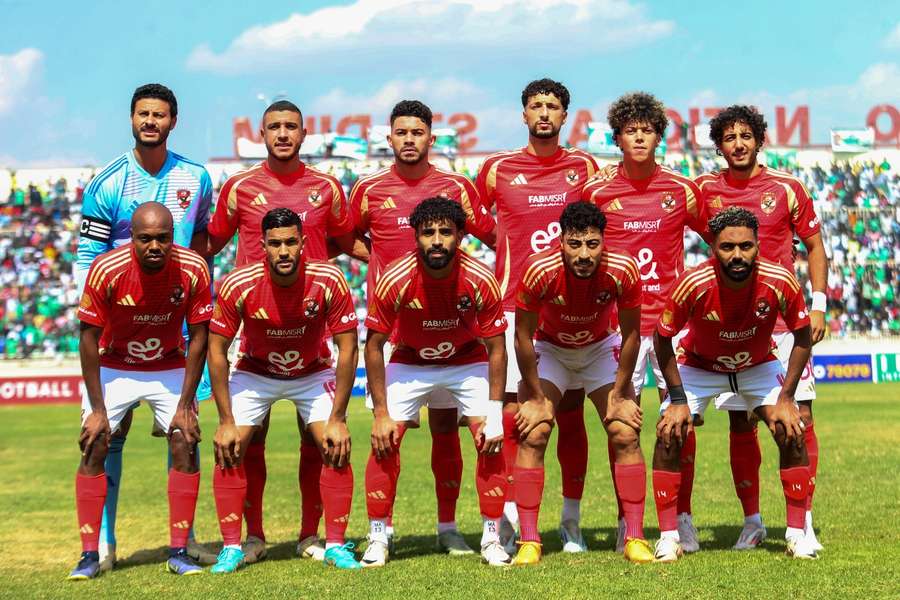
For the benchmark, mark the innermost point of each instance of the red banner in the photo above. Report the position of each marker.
(47, 389)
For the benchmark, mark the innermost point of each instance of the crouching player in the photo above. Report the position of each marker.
(135, 300)
(441, 301)
(730, 304)
(568, 297)
(285, 304)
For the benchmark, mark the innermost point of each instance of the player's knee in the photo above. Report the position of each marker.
(666, 459)
(538, 437)
(622, 436)
(740, 421)
(442, 420)
(182, 454)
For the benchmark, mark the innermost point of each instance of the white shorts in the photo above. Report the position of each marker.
(589, 367)
(253, 395)
(648, 354)
(123, 390)
(409, 387)
(806, 387)
(439, 398)
(743, 391)
(512, 365)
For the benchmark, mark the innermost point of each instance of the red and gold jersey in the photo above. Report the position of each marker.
(142, 314)
(284, 327)
(438, 321)
(574, 312)
(645, 218)
(247, 196)
(529, 193)
(731, 330)
(380, 205)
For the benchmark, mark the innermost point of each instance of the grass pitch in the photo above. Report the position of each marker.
(856, 510)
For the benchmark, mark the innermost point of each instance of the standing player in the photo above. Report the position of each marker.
(528, 188)
(380, 205)
(444, 307)
(568, 296)
(730, 304)
(282, 180)
(647, 207)
(149, 172)
(135, 301)
(784, 210)
(285, 303)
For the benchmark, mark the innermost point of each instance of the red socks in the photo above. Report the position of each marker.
(447, 466)
(183, 490)
(491, 484)
(688, 456)
(310, 471)
(230, 491)
(510, 449)
(529, 490)
(381, 482)
(665, 492)
(90, 494)
(812, 450)
(611, 453)
(337, 494)
(745, 461)
(255, 468)
(795, 482)
(572, 451)
(631, 482)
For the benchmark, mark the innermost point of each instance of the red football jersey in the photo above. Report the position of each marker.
(438, 321)
(574, 311)
(645, 218)
(142, 314)
(284, 327)
(247, 196)
(529, 193)
(731, 330)
(380, 205)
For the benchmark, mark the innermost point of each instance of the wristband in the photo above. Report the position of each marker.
(819, 302)
(493, 426)
(677, 395)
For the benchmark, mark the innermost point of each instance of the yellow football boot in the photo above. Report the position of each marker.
(529, 554)
(638, 551)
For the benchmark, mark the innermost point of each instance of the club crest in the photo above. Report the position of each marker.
(767, 202)
(177, 296)
(668, 201)
(604, 297)
(464, 303)
(571, 176)
(315, 198)
(184, 198)
(762, 309)
(311, 308)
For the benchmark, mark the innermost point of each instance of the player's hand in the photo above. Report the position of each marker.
(787, 413)
(817, 325)
(675, 423)
(487, 445)
(385, 435)
(626, 410)
(605, 174)
(185, 421)
(96, 427)
(532, 413)
(227, 445)
(337, 442)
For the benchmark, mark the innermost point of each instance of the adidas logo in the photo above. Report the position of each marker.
(711, 316)
(450, 484)
(341, 519)
(746, 483)
(260, 314)
(495, 492)
(716, 202)
(614, 205)
(519, 180)
(559, 300)
(86, 529)
(126, 300)
(260, 200)
(389, 203)
(377, 495)
(231, 518)
(415, 304)
(181, 525)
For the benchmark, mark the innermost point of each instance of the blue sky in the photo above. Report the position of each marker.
(67, 69)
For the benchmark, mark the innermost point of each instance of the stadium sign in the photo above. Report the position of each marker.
(842, 368)
(47, 389)
(887, 367)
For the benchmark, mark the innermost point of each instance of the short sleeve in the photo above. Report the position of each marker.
(528, 297)
(224, 220)
(94, 306)
(804, 219)
(339, 221)
(382, 310)
(485, 184)
(199, 307)
(491, 319)
(674, 315)
(341, 315)
(631, 295)
(795, 314)
(225, 317)
(478, 218)
(205, 204)
(359, 207)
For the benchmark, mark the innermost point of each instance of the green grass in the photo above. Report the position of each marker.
(857, 512)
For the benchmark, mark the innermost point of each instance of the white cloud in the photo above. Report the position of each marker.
(18, 73)
(892, 40)
(400, 28)
(440, 94)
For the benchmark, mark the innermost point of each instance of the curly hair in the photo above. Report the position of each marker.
(156, 91)
(411, 108)
(579, 216)
(637, 107)
(437, 210)
(281, 217)
(546, 86)
(738, 113)
(733, 217)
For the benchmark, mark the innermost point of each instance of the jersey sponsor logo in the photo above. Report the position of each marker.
(389, 203)
(571, 176)
(519, 180)
(184, 197)
(642, 226)
(260, 200)
(541, 240)
(762, 309)
(733, 363)
(578, 318)
(286, 362)
(315, 198)
(126, 300)
(96, 229)
(205, 309)
(177, 296)
(613, 206)
(543, 200)
(349, 318)
(645, 259)
(767, 202)
(576, 339)
(603, 297)
(259, 313)
(802, 314)
(442, 351)
(440, 324)
(464, 303)
(501, 322)
(667, 201)
(736, 336)
(403, 222)
(311, 308)
(293, 332)
(814, 222)
(146, 351)
(152, 319)
(711, 316)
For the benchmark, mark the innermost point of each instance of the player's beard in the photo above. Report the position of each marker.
(583, 264)
(270, 150)
(420, 156)
(741, 275)
(439, 262)
(163, 136)
(544, 135)
(275, 268)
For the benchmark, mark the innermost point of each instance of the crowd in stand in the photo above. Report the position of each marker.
(859, 206)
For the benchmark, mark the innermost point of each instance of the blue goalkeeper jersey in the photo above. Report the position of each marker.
(183, 186)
